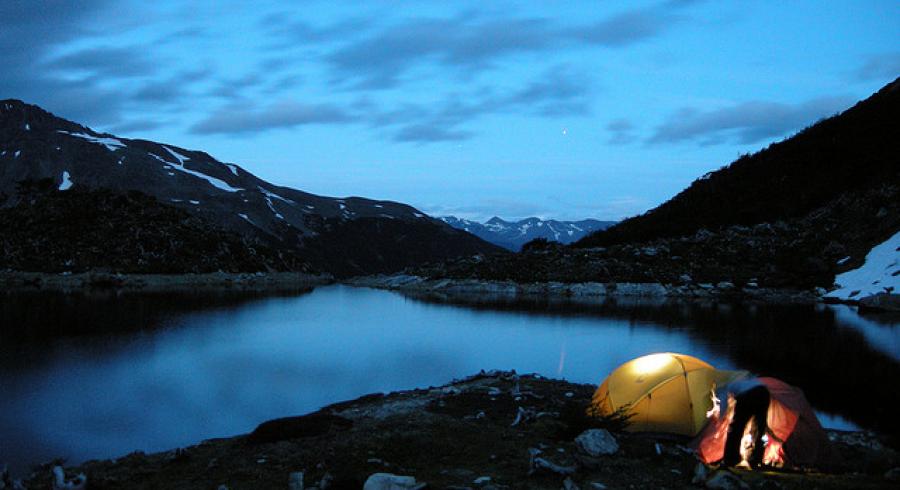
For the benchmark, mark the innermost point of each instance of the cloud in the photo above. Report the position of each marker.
(32, 30)
(469, 43)
(621, 131)
(244, 118)
(557, 92)
(106, 62)
(428, 132)
(135, 126)
(626, 28)
(883, 67)
(287, 32)
(746, 122)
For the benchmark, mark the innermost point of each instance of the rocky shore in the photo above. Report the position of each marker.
(582, 291)
(270, 281)
(495, 430)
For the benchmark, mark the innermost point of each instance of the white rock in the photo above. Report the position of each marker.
(568, 484)
(60, 482)
(597, 442)
(598, 486)
(388, 481)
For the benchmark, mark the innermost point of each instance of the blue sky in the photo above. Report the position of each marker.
(557, 109)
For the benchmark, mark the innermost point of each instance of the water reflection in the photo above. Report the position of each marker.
(100, 376)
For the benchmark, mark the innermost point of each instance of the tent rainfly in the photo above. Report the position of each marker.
(665, 392)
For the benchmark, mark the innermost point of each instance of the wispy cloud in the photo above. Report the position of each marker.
(883, 67)
(469, 43)
(621, 132)
(248, 118)
(745, 122)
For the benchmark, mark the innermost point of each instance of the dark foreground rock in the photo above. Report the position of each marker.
(493, 430)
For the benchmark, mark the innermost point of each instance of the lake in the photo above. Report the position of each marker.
(99, 375)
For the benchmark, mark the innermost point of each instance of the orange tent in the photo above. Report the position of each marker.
(666, 392)
(793, 436)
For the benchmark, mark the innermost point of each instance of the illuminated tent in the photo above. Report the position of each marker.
(792, 435)
(665, 392)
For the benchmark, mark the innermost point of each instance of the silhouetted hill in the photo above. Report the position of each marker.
(852, 150)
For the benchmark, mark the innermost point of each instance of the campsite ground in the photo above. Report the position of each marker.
(461, 435)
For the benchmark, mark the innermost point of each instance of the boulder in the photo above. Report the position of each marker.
(596, 442)
(388, 481)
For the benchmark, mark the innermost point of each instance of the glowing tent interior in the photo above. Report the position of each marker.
(665, 392)
(786, 434)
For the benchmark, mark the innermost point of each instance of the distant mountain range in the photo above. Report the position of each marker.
(343, 236)
(511, 235)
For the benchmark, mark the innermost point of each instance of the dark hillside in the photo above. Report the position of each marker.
(82, 230)
(855, 149)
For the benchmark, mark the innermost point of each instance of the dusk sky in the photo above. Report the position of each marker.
(557, 109)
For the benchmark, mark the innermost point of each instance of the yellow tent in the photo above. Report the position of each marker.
(665, 392)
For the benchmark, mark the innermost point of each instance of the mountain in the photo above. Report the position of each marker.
(793, 215)
(511, 235)
(344, 236)
(845, 153)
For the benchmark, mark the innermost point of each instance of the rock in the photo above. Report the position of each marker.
(568, 484)
(725, 285)
(536, 463)
(388, 481)
(701, 472)
(893, 474)
(597, 486)
(686, 279)
(725, 480)
(295, 481)
(596, 442)
(482, 480)
(60, 482)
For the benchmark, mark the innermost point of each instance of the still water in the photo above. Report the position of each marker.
(101, 375)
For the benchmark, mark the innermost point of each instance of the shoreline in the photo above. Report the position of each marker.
(85, 281)
(585, 292)
(495, 429)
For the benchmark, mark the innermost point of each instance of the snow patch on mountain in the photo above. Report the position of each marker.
(111, 144)
(181, 158)
(66, 183)
(220, 184)
(880, 273)
(271, 195)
